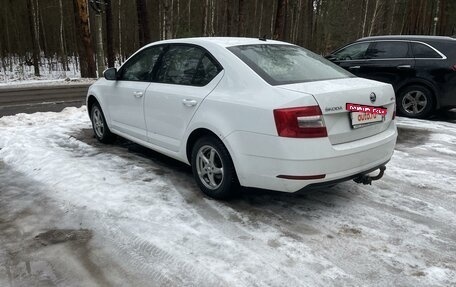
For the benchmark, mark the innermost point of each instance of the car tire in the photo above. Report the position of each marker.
(99, 125)
(415, 102)
(213, 168)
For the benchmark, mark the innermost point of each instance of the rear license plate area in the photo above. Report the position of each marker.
(361, 119)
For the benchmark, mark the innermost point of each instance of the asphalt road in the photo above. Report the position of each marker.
(53, 98)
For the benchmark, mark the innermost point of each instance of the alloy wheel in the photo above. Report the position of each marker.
(98, 123)
(414, 102)
(209, 167)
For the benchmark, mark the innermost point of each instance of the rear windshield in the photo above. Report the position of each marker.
(287, 64)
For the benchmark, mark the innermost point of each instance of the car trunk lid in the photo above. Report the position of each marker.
(333, 96)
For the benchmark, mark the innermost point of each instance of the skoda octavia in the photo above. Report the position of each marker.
(248, 112)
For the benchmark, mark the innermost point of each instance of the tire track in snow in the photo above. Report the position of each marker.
(151, 261)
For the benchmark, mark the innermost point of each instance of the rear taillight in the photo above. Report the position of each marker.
(453, 67)
(300, 122)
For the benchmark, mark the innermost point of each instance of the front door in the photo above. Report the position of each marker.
(352, 58)
(126, 95)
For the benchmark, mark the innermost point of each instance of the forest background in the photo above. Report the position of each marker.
(95, 34)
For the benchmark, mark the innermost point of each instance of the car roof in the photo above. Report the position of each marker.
(423, 38)
(221, 41)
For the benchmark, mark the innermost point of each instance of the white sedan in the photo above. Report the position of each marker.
(248, 112)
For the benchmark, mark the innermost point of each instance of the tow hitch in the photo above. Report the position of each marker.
(366, 179)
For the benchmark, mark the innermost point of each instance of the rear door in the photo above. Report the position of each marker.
(185, 76)
(390, 62)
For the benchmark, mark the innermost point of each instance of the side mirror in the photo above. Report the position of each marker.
(110, 74)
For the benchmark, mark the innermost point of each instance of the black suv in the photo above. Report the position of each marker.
(422, 69)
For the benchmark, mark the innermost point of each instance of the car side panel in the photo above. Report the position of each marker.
(168, 114)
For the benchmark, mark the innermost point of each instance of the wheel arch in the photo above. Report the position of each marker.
(194, 136)
(424, 83)
(91, 100)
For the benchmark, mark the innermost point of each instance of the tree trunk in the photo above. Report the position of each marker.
(109, 34)
(31, 9)
(366, 9)
(297, 24)
(404, 18)
(167, 20)
(261, 19)
(228, 17)
(177, 24)
(120, 31)
(41, 32)
(241, 18)
(374, 17)
(82, 12)
(272, 18)
(8, 40)
(309, 19)
(100, 51)
(212, 18)
(189, 20)
(143, 22)
(255, 14)
(205, 13)
(63, 53)
(280, 22)
(171, 20)
(392, 17)
(442, 21)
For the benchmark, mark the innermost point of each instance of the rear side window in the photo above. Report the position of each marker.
(423, 51)
(186, 65)
(287, 64)
(389, 50)
(205, 72)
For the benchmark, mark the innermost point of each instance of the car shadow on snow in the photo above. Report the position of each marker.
(410, 137)
(180, 175)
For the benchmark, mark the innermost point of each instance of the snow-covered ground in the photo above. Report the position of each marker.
(18, 72)
(46, 82)
(74, 212)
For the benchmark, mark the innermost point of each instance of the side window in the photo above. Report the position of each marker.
(389, 50)
(206, 71)
(186, 65)
(423, 51)
(352, 52)
(139, 68)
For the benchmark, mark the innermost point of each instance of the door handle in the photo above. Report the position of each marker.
(189, 102)
(354, 67)
(404, 67)
(138, 94)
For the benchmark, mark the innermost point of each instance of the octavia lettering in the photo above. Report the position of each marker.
(366, 109)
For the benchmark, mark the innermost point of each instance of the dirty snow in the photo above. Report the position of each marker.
(123, 215)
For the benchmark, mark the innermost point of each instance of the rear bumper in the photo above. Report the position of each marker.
(259, 159)
(319, 185)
